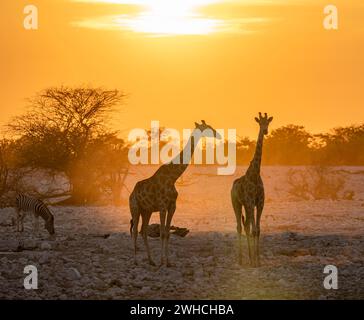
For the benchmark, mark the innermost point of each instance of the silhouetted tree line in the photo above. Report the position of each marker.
(293, 145)
(67, 130)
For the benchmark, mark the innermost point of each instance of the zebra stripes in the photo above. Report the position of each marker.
(26, 204)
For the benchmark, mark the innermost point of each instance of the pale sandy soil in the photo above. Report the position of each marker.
(299, 238)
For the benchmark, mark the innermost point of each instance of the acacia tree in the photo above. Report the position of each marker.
(59, 127)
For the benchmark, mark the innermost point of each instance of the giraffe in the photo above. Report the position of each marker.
(158, 193)
(248, 192)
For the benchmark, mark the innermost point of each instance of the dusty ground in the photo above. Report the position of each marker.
(299, 238)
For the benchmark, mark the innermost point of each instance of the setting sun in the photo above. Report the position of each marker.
(170, 17)
(161, 17)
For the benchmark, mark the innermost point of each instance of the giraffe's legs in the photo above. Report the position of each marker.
(247, 227)
(254, 240)
(162, 233)
(171, 211)
(239, 220)
(259, 214)
(135, 235)
(145, 223)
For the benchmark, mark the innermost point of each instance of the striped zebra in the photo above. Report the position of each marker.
(26, 204)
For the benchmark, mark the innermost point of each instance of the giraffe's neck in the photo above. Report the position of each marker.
(185, 155)
(254, 167)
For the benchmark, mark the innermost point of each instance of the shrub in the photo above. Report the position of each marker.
(318, 183)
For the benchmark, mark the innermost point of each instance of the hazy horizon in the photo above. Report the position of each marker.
(222, 61)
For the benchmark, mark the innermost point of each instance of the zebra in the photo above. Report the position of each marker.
(26, 204)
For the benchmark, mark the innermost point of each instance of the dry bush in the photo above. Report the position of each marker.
(39, 184)
(298, 184)
(10, 187)
(318, 183)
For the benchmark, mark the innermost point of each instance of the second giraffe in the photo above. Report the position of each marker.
(248, 192)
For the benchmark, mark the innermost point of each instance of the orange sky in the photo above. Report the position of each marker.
(271, 56)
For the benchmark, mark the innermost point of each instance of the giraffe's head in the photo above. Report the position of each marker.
(207, 130)
(264, 122)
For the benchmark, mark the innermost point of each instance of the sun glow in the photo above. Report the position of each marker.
(160, 17)
(170, 17)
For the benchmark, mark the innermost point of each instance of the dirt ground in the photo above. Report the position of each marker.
(92, 257)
